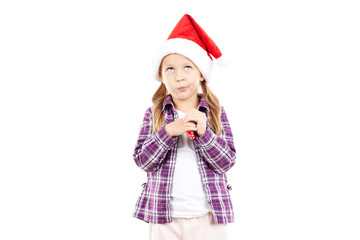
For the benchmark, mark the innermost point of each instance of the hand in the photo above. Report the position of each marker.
(179, 127)
(198, 118)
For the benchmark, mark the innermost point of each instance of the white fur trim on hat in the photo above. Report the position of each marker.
(188, 49)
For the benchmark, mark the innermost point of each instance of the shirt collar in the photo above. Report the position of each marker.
(202, 104)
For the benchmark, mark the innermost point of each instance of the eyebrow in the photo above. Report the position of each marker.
(184, 64)
(167, 66)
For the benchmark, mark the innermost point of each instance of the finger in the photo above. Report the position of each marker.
(194, 118)
(191, 115)
(190, 125)
(190, 118)
(191, 112)
(191, 129)
(194, 112)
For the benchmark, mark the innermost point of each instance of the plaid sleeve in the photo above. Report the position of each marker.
(218, 151)
(151, 148)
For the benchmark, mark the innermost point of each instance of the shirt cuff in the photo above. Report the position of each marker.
(164, 139)
(205, 139)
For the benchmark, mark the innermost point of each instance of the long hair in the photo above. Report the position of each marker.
(157, 113)
(214, 108)
(212, 101)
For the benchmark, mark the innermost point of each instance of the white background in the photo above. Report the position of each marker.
(76, 79)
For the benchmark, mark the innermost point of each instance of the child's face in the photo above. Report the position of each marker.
(180, 76)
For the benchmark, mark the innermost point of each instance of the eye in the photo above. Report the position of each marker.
(188, 67)
(170, 69)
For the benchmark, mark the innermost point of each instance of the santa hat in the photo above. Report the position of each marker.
(191, 41)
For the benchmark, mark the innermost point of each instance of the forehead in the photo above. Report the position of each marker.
(175, 58)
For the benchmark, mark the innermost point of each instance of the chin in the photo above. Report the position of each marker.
(180, 97)
(184, 96)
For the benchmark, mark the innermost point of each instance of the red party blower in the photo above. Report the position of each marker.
(190, 135)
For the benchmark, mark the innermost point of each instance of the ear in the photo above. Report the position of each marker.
(160, 74)
(201, 78)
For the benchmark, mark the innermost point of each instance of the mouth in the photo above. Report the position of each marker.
(182, 88)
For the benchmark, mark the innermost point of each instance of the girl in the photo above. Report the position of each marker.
(186, 194)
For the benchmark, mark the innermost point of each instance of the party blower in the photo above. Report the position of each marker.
(190, 134)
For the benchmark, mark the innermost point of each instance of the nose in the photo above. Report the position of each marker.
(179, 77)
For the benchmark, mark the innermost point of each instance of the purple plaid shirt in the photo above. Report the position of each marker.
(155, 153)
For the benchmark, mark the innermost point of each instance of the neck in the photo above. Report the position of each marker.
(187, 104)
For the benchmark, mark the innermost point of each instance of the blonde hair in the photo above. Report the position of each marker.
(212, 101)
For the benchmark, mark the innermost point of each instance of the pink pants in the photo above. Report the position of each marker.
(199, 228)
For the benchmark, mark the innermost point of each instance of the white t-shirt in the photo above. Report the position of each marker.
(188, 197)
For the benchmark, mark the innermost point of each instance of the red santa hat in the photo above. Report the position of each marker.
(191, 41)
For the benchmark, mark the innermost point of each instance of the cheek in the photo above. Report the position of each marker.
(195, 76)
(164, 78)
(195, 80)
(168, 76)
(167, 84)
